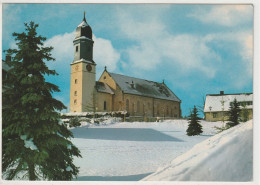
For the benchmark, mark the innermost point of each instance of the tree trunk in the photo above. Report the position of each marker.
(32, 175)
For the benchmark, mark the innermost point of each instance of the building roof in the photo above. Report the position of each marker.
(136, 86)
(214, 101)
(103, 87)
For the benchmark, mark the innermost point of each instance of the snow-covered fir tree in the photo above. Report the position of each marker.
(233, 112)
(36, 144)
(194, 128)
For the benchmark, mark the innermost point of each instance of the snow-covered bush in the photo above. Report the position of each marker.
(74, 122)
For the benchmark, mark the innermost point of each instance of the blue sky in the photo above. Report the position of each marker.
(196, 49)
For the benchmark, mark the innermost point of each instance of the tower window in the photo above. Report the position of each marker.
(104, 77)
(77, 48)
(75, 93)
(75, 102)
(76, 81)
(105, 105)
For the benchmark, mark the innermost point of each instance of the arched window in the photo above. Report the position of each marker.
(167, 110)
(75, 93)
(127, 105)
(138, 106)
(133, 107)
(105, 105)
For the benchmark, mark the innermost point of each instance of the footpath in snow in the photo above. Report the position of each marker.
(227, 156)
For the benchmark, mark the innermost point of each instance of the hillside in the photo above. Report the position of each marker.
(227, 156)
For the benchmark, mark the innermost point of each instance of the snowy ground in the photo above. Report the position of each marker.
(131, 151)
(227, 156)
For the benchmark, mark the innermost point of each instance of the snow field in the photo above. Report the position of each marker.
(134, 150)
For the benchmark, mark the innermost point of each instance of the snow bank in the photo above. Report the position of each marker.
(227, 156)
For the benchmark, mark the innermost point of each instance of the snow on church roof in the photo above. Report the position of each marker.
(136, 86)
(214, 101)
(83, 24)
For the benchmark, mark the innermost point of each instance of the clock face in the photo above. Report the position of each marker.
(77, 67)
(89, 68)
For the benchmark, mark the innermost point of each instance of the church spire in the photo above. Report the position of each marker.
(84, 18)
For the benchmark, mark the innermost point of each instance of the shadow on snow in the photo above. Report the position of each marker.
(125, 134)
(112, 178)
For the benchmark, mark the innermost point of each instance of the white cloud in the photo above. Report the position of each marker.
(11, 20)
(225, 15)
(154, 46)
(105, 54)
(243, 40)
(62, 48)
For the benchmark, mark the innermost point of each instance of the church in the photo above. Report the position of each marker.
(114, 92)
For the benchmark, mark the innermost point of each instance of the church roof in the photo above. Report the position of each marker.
(103, 87)
(136, 86)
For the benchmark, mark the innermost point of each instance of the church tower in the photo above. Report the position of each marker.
(83, 70)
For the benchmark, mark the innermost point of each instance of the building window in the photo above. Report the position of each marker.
(104, 77)
(215, 114)
(127, 105)
(105, 105)
(144, 109)
(77, 48)
(167, 110)
(75, 93)
(158, 109)
(138, 106)
(76, 81)
(75, 102)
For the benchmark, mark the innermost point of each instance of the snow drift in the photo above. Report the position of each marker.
(227, 156)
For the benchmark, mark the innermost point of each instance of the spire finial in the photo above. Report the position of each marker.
(84, 18)
(163, 81)
(105, 68)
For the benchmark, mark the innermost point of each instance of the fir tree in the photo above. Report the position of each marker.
(234, 111)
(194, 127)
(36, 144)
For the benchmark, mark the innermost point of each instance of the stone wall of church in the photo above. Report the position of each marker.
(82, 87)
(106, 78)
(150, 107)
(104, 102)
